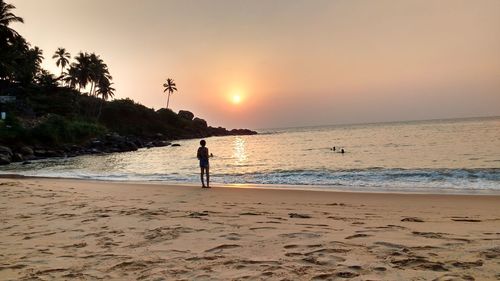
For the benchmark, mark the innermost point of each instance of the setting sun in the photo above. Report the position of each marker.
(236, 96)
(236, 99)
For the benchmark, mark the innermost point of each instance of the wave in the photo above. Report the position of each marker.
(370, 179)
(376, 177)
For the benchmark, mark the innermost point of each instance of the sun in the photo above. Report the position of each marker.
(236, 99)
(236, 96)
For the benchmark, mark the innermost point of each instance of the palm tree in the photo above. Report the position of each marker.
(36, 54)
(62, 58)
(88, 68)
(9, 54)
(105, 91)
(71, 78)
(6, 18)
(170, 87)
(98, 71)
(83, 72)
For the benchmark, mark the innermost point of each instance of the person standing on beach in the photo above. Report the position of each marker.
(203, 156)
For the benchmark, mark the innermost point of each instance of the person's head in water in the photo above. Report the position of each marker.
(203, 143)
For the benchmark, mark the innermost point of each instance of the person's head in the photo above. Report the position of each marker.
(203, 143)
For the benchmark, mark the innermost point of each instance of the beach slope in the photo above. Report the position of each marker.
(87, 230)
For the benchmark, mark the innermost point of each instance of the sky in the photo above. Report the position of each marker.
(291, 63)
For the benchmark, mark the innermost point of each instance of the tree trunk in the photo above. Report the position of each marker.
(100, 109)
(168, 99)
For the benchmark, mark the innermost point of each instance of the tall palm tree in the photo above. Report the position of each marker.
(105, 90)
(98, 71)
(62, 58)
(170, 87)
(6, 18)
(82, 72)
(9, 54)
(88, 69)
(36, 55)
(71, 78)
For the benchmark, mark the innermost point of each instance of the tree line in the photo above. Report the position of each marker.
(20, 63)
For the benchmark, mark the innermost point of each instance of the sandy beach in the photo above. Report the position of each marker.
(61, 229)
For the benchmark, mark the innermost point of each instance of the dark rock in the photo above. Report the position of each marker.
(4, 159)
(242, 132)
(176, 144)
(49, 153)
(17, 157)
(114, 137)
(186, 114)
(200, 123)
(26, 150)
(128, 146)
(160, 143)
(96, 143)
(40, 152)
(5, 151)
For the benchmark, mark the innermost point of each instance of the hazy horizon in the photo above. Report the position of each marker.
(293, 63)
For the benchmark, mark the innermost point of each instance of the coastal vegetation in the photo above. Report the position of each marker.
(73, 113)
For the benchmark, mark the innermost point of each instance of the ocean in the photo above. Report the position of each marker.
(438, 156)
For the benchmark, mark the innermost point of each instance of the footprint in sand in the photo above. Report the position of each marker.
(435, 235)
(222, 247)
(419, 263)
(299, 216)
(232, 236)
(300, 235)
(412, 219)
(467, 265)
(250, 214)
(466, 220)
(346, 274)
(454, 277)
(492, 253)
(262, 228)
(359, 235)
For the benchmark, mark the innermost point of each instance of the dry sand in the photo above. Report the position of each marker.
(59, 229)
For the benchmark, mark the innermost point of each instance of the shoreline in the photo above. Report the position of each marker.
(317, 188)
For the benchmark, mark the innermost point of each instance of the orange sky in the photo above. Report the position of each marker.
(294, 63)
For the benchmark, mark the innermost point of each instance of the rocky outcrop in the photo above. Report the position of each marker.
(188, 115)
(200, 123)
(26, 151)
(4, 160)
(241, 132)
(5, 155)
(192, 127)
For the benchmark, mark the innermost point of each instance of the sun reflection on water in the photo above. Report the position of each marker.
(239, 150)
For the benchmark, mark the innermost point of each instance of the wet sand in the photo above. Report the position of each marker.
(60, 229)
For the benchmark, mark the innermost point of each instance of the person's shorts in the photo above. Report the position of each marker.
(204, 163)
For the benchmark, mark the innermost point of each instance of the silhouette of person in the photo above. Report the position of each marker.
(334, 148)
(342, 151)
(203, 156)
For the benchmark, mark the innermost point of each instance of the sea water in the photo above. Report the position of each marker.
(459, 155)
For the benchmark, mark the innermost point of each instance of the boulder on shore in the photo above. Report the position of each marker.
(4, 159)
(26, 150)
(17, 157)
(5, 151)
(200, 123)
(188, 115)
